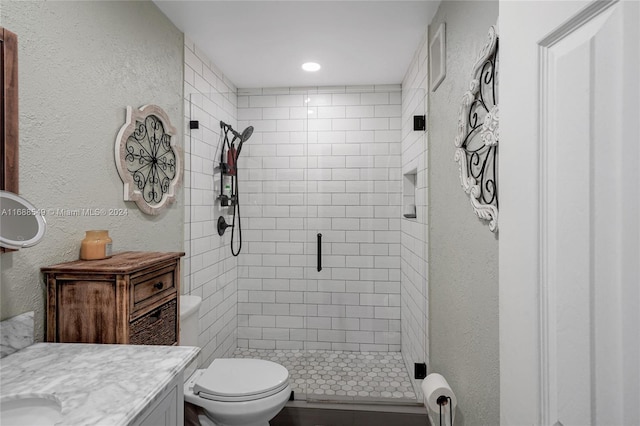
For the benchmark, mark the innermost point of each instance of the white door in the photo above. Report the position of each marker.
(570, 212)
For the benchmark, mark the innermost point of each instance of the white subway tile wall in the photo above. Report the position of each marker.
(326, 160)
(210, 271)
(414, 236)
(321, 160)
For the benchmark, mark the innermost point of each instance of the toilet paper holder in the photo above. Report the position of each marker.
(445, 400)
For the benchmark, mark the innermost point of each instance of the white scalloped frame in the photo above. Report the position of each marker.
(489, 133)
(131, 191)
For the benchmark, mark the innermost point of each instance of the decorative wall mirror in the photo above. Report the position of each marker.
(21, 224)
(147, 159)
(478, 134)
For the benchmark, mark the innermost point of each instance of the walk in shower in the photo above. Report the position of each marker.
(317, 285)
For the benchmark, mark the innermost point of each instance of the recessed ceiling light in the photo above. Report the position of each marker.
(311, 66)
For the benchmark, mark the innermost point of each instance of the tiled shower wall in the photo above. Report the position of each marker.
(210, 271)
(414, 237)
(324, 161)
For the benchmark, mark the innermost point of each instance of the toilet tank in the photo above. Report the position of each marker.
(189, 330)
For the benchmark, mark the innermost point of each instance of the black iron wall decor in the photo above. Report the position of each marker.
(478, 134)
(147, 159)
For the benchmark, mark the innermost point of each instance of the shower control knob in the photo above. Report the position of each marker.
(222, 225)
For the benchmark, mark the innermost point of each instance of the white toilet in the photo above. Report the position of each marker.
(231, 392)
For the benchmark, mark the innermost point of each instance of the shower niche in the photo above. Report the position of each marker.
(409, 194)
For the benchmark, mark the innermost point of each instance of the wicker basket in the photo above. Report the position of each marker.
(158, 327)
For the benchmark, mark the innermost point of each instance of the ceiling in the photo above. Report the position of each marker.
(264, 43)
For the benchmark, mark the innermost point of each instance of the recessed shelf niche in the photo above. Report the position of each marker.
(409, 194)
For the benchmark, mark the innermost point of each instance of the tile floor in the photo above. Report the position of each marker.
(342, 376)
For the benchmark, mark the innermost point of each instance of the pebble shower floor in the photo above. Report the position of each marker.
(342, 376)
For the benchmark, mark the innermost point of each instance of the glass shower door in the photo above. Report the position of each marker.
(331, 221)
(354, 197)
(319, 273)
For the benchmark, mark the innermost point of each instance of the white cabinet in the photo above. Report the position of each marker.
(167, 409)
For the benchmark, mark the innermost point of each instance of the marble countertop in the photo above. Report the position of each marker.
(96, 384)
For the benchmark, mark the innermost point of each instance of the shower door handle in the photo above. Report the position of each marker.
(319, 252)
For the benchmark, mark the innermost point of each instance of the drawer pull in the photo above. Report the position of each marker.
(156, 314)
(159, 285)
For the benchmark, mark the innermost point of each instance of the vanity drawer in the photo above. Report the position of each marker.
(149, 287)
(158, 327)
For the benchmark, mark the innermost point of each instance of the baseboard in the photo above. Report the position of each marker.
(411, 408)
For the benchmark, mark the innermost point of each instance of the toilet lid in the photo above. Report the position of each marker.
(240, 378)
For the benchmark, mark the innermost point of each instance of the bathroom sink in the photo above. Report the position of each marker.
(20, 410)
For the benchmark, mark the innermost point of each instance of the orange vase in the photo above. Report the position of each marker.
(96, 245)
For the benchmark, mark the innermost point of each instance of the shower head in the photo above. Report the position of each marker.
(246, 134)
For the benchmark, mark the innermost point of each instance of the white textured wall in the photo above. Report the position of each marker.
(80, 65)
(414, 259)
(321, 160)
(463, 253)
(210, 269)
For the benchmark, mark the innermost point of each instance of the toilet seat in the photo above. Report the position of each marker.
(221, 398)
(239, 379)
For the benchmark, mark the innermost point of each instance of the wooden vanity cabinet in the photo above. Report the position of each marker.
(130, 298)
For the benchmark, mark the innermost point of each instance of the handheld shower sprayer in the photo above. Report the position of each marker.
(230, 168)
(246, 133)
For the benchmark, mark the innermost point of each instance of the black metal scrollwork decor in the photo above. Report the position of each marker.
(147, 160)
(478, 134)
(150, 159)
